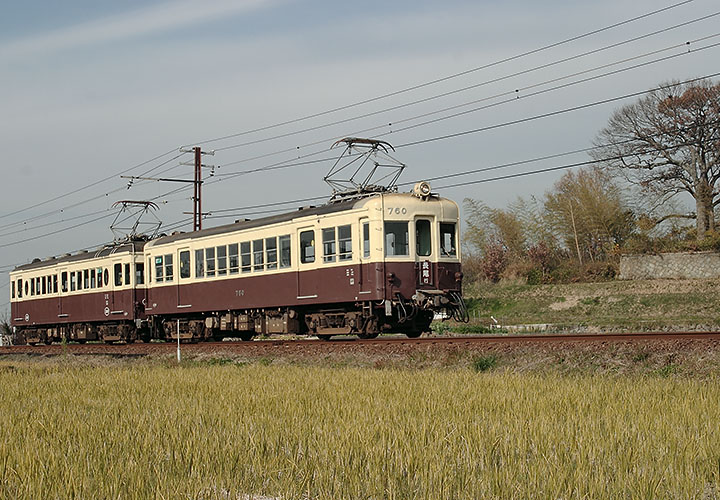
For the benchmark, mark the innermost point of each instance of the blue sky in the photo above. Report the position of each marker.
(90, 88)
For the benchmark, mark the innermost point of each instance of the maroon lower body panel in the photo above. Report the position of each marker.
(110, 306)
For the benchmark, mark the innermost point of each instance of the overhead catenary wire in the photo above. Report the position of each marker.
(230, 175)
(462, 133)
(425, 84)
(449, 77)
(93, 184)
(477, 85)
(88, 200)
(515, 97)
(239, 211)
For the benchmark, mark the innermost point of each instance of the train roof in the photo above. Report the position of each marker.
(264, 221)
(122, 247)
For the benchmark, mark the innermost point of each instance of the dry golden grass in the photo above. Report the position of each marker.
(202, 432)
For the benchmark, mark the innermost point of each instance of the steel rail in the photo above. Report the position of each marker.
(338, 344)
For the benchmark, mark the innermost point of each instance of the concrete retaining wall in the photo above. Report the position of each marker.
(684, 265)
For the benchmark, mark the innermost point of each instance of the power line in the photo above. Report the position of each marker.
(546, 115)
(514, 93)
(88, 200)
(53, 232)
(415, 87)
(70, 193)
(475, 86)
(449, 77)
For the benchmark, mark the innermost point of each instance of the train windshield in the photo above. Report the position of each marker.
(448, 244)
(396, 239)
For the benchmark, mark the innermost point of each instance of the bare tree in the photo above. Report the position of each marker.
(587, 210)
(669, 143)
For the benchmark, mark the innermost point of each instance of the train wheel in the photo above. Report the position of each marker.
(246, 336)
(366, 336)
(324, 337)
(414, 334)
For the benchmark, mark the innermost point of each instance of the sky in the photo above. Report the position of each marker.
(90, 90)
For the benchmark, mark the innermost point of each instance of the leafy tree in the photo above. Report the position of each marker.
(669, 143)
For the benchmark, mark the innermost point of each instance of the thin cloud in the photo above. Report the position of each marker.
(163, 17)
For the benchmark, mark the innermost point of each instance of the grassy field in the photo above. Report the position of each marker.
(201, 431)
(612, 305)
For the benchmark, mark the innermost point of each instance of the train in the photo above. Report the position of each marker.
(373, 263)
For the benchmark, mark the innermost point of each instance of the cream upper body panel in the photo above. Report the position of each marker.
(349, 233)
(78, 274)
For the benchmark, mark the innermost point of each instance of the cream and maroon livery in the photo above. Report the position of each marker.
(86, 296)
(382, 262)
(385, 262)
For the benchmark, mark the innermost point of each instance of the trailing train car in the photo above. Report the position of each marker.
(379, 262)
(386, 262)
(86, 296)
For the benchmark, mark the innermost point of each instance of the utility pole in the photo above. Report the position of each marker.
(197, 196)
(196, 181)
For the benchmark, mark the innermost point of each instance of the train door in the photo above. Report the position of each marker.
(62, 292)
(423, 251)
(367, 268)
(183, 294)
(116, 281)
(307, 286)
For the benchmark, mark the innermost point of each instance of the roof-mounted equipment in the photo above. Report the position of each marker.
(370, 166)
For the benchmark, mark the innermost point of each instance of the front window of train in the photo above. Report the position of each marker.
(448, 239)
(397, 241)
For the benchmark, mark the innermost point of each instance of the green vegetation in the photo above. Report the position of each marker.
(613, 305)
(228, 430)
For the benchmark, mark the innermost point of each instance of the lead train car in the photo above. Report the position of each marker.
(387, 262)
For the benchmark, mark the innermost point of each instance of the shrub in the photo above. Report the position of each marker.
(494, 262)
(484, 363)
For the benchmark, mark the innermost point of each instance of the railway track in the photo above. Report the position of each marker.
(340, 344)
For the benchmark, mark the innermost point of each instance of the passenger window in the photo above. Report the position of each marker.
(366, 239)
(245, 257)
(210, 261)
(127, 273)
(396, 239)
(169, 267)
(26, 288)
(93, 280)
(158, 269)
(329, 249)
(271, 252)
(258, 257)
(185, 264)
(233, 258)
(284, 251)
(79, 280)
(307, 247)
(149, 271)
(447, 240)
(37, 285)
(200, 263)
(117, 272)
(99, 273)
(422, 237)
(139, 273)
(19, 288)
(86, 279)
(73, 283)
(345, 242)
(221, 260)
(64, 282)
(12, 296)
(55, 283)
(43, 280)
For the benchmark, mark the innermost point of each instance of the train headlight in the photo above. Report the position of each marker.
(421, 189)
